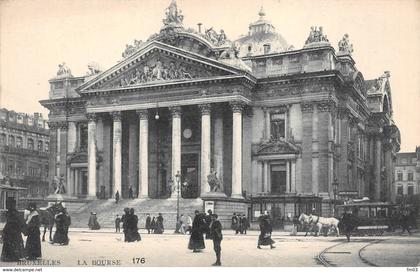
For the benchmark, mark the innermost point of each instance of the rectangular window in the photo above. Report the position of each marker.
(400, 190)
(410, 176)
(278, 126)
(410, 189)
(278, 179)
(399, 176)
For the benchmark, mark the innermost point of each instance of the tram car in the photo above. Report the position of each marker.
(372, 218)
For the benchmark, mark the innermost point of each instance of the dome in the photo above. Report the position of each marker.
(261, 39)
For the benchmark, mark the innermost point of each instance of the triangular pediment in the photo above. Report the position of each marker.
(158, 63)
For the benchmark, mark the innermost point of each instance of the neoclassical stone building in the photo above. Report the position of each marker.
(277, 126)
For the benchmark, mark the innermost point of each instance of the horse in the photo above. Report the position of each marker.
(305, 221)
(46, 217)
(325, 222)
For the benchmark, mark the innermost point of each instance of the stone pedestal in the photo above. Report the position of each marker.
(224, 207)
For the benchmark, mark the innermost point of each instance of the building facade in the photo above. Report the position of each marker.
(273, 124)
(24, 152)
(407, 174)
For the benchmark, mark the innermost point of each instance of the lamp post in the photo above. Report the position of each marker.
(177, 179)
(335, 189)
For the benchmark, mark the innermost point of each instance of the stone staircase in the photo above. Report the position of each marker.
(107, 210)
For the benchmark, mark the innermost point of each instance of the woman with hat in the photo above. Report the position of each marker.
(12, 235)
(33, 242)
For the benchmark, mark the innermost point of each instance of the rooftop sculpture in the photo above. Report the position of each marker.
(63, 70)
(344, 45)
(316, 35)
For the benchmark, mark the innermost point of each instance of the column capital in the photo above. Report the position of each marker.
(175, 112)
(116, 115)
(307, 107)
(143, 114)
(237, 106)
(325, 106)
(92, 117)
(205, 108)
(53, 125)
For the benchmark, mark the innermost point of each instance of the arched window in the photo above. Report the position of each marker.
(30, 144)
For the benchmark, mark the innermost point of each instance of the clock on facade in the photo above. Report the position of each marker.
(187, 133)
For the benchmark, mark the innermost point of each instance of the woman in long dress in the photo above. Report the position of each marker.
(265, 232)
(33, 242)
(196, 242)
(159, 229)
(133, 230)
(12, 236)
(60, 235)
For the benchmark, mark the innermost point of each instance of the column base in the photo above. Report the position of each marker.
(213, 194)
(238, 196)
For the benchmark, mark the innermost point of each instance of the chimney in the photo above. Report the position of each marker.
(199, 27)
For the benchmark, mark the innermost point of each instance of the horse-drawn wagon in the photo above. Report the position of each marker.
(372, 218)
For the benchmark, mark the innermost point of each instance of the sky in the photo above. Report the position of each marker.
(37, 35)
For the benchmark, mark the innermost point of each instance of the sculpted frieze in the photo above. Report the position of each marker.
(295, 90)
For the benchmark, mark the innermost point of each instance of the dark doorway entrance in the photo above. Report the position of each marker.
(278, 179)
(189, 175)
(84, 183)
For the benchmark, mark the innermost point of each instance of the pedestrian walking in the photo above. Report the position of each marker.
(235, 223)
(61, 229)
(117, 197)
(264, 239)
(93, 223)
(133, 234)
(117, 223)
(217, 236)
(130, 193)
(405, 222)
(208, 219)
(295, 225)
(196, 242)
(244, 224)
(12, 249)
(33, 242)
(159, 229)
(125, 221)
(153, 224)
(148, 225)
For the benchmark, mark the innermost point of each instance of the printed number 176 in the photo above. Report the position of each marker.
(139, 260)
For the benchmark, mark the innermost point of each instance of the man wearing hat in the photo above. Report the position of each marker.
(217, 236)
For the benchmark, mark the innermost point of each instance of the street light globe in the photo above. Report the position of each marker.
(157, 116)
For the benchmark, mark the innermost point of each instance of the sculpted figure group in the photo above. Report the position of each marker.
(316, 35)
(214, 38)
(63, 70)
(130, 49)
(159, 71)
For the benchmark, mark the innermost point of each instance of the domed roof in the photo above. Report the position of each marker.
(261, 39)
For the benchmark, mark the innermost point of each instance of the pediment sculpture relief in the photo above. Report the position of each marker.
(277, 146)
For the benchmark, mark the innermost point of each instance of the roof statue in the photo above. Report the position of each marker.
(63, 70)
(216, 39)
(344, 45)
(131, 49)
(94, 68)
(316, 36)
(173, 15)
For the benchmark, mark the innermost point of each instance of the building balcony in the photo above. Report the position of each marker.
(22, 151)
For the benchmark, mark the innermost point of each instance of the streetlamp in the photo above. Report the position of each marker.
(177, 179)
(335, 189)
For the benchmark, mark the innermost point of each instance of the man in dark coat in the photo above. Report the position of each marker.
(117, 223)
(265, 231)
(148, 223)
(235, 223)
(217, 236)
(33, 242)
(347, 224)
(117, 197)
(130, 193)
(244, 224)
(208, 219)
(93, 222)
(12, 236)
(196, 242)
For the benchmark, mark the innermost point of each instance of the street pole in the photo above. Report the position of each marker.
(177, 178)
(335, 188)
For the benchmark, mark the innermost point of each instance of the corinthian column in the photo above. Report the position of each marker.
(218, 143)
(116, 144)
(91, 154)
(143, 153)
(176, 145)
(237, 109)
(205, 146)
